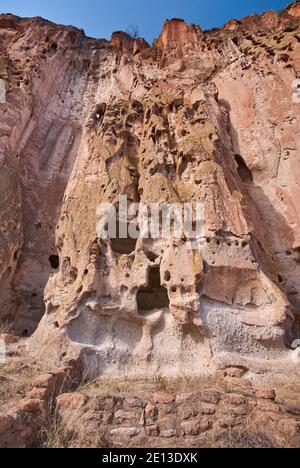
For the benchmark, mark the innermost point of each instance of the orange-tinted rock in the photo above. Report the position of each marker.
(232, 25)
(178, 32)
(124, 43)
(270, 19)
(30, 406)
(294, 10)
(71, 401)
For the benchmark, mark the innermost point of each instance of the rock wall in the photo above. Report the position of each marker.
(203, 117)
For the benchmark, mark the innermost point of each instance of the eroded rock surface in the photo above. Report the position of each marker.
(209, 117)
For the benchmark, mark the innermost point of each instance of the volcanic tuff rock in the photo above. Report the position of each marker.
(198, 117)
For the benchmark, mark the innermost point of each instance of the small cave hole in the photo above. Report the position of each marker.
(280, 279)
(167, 276)
(25, 334)
(151, 256)
(53, 49)
(99, 112)
(54, 261)
(154, 296)
(16, 255)
(243, 170)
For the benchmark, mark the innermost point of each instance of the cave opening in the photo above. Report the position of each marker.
(243, 170)
(123, 245)
(154, 296)
(54, 261)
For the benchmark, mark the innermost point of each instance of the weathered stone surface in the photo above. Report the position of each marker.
(125, 432)
(210, 396)
(234, 372)
(201, 117)
(30, 406)
(195, 427)
(71, 401)
(80, 416)
(234, 399)
(266, 393)
(289, 427)
(8, 339)
(164, 398)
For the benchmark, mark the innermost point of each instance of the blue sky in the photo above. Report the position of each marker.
(100, 18)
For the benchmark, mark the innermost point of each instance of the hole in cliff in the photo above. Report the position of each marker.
(155, 296)
(25, 334)
(122, 246)
(183, 166)
(243, 170)
(53, 48)
(167, 276)
(99, 112)
(16, 255)
(151, 256)
(54, 261)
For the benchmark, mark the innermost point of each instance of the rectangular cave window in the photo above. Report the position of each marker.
(154, 296)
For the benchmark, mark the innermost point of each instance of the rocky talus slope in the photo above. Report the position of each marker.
(199, 116)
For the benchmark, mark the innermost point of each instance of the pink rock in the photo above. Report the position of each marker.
(164, 398)
(8, 339)
(266, 394)
(71, 400)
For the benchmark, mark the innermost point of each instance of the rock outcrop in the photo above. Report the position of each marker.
(208, 117)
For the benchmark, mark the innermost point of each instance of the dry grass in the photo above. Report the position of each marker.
(16, 379)
(56, 433)
(126, 387)
(288, 393)
(238, 438)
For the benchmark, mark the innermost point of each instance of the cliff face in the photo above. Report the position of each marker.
(209, 117)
